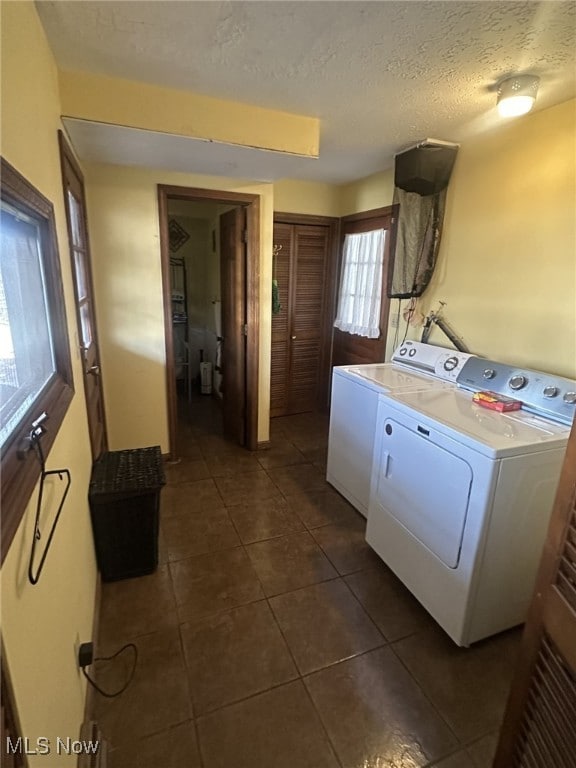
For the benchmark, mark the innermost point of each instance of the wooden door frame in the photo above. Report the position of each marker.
(333, 225)
(11, 725)
(252, 204)
(67, 156)
(232, 258)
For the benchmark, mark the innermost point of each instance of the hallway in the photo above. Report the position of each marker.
(271, 636)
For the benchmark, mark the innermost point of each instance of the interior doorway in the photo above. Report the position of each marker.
(210, 256)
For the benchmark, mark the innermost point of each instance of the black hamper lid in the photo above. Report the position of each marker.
(134, 471)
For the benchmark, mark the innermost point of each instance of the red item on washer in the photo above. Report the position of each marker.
(496, 402)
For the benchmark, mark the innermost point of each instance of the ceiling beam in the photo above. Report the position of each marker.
(115, 101)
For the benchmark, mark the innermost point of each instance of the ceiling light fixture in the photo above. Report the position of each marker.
(517, 94)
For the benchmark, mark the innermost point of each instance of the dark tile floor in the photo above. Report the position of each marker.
(271, 636)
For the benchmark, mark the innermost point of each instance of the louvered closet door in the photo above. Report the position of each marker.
(539, 728)
(298, 331)
(307, 317)
(280, 367)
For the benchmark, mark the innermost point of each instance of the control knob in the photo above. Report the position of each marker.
(489, 373)
(412, 352)
(403, 351)
(570, 397)
(517, 382)
(550, 391)
(450, 363)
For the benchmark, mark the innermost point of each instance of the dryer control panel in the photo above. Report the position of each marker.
(544, 394)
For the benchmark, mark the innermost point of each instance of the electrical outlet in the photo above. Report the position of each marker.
(394, 321)
(85, 654)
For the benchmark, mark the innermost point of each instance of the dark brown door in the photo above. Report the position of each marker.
(75, 204)
(300, 345)
(233, 287)
(348, 348)
(280, 351)
(12, 753)
(539, 729)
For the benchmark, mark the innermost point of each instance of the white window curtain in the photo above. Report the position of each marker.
(361, 284)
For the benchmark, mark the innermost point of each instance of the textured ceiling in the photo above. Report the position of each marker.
(380, 75)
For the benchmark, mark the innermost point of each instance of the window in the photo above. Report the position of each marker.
(26, 358)
(361, 284)
(35, 371)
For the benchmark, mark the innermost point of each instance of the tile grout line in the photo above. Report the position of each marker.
(426, 696)
(184, 659)
(324, 728)
(301, 679)
(190, 696)
(142, 737)
(364, 609)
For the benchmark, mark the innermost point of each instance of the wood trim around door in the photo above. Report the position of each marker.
(252, 204)
(68, 165)
(306, 219)
(10, 726)
(374, 213)
(252, 320)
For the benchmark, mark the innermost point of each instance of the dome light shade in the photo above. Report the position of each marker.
(517, 94)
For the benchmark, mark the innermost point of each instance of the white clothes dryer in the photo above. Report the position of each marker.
(461, 495)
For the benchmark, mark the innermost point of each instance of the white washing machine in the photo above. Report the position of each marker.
(354, 404)
(461, 495)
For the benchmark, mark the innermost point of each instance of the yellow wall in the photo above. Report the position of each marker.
(309, 197)
(42, 624)
(140, 105)
(125, 240)
(374, 191)
(507, 261)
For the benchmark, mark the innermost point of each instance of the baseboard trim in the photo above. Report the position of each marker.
(264, 445)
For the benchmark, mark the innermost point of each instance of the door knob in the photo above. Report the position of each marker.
(94, 370)
(293, 337)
